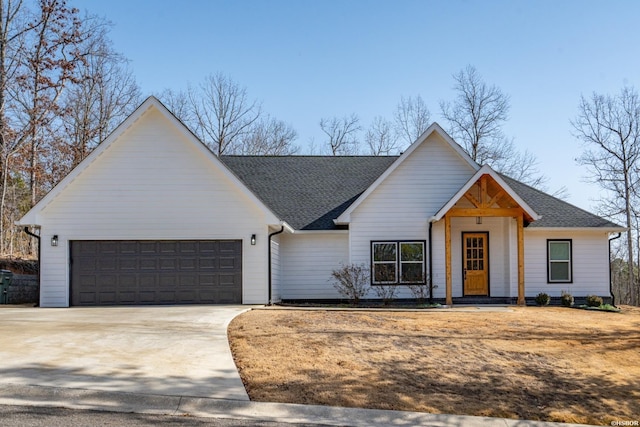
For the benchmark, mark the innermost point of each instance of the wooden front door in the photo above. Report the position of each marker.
(475, 263)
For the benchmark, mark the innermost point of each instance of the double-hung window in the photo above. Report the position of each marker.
(559, 264)
(395, 263)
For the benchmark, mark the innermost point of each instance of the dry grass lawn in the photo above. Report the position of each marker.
(551, 363)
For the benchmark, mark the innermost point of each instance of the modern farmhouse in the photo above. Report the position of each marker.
(152, 216)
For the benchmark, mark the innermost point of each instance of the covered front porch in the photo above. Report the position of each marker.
(483, 240)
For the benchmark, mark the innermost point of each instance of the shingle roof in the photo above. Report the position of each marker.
(309, 192)
(556, 212)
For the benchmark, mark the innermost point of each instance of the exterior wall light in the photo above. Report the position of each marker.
(54, 240)
(253, 239)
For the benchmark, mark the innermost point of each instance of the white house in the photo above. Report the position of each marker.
(152, 216)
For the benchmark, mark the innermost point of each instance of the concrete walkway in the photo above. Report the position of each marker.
(158, 360)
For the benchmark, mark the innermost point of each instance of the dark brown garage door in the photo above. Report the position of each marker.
(156, 272)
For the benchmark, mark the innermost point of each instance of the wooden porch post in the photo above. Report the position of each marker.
(519, 220)
(447, 256)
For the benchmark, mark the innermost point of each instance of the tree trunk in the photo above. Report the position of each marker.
(628, 208)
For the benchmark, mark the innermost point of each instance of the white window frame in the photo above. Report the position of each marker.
(568, 261)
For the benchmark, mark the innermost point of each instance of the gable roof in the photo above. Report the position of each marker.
(31, 217)
(556, 213)
(486, 170)
(434, 128)
(311, 192)
(308, 192)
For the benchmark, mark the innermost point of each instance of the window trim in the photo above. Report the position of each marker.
(398, 262)
(569, 261)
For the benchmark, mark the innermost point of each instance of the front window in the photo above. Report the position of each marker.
(559, 261)
(397, 262)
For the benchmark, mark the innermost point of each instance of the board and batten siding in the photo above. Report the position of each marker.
(151, 184)
(590, 259)
(310, 258)
(401, 206)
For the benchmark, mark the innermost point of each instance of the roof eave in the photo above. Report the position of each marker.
(574, 229)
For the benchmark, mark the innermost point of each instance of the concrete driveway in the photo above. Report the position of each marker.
(165, 350)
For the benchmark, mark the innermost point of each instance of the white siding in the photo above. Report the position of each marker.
(502, 246)
(308, 260)
(590, 263)
(590, 259)
(151, 183)
(276, 275)
(400, 207)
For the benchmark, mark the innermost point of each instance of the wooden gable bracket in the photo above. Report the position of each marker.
(484, 207)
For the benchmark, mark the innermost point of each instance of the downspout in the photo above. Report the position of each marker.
(430, 265)
(269, 250)
(26, 230)
(613, 297)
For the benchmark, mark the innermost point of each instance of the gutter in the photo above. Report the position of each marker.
(613, 297)
(269, 260)
(26, 230)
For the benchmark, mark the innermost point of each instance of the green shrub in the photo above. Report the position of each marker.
(594, 301)
(543, 299)
(566, 299)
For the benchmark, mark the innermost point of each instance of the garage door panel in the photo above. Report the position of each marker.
(107, 297)
(107, 264)
(188, 262)
(168, 263)
(128, 247)
(88, 298)
(127, 264)
(127, 297)
(156, 272)
(148, 247)
(147, 297)
(168, 247)
(228, 263)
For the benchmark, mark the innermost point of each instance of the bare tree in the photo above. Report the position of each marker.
(381, 138)
(269, 136)
(519, 165)
(13, 29)
(223, 113)
(412, 118)
(475, 120)
(180, 105)
(342, 134)
(104, 94)
(477, 114)
(48, 61)
(609, 129)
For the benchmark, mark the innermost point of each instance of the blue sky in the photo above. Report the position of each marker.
(311, 59)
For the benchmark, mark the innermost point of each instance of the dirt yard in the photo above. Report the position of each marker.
(550, 363)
